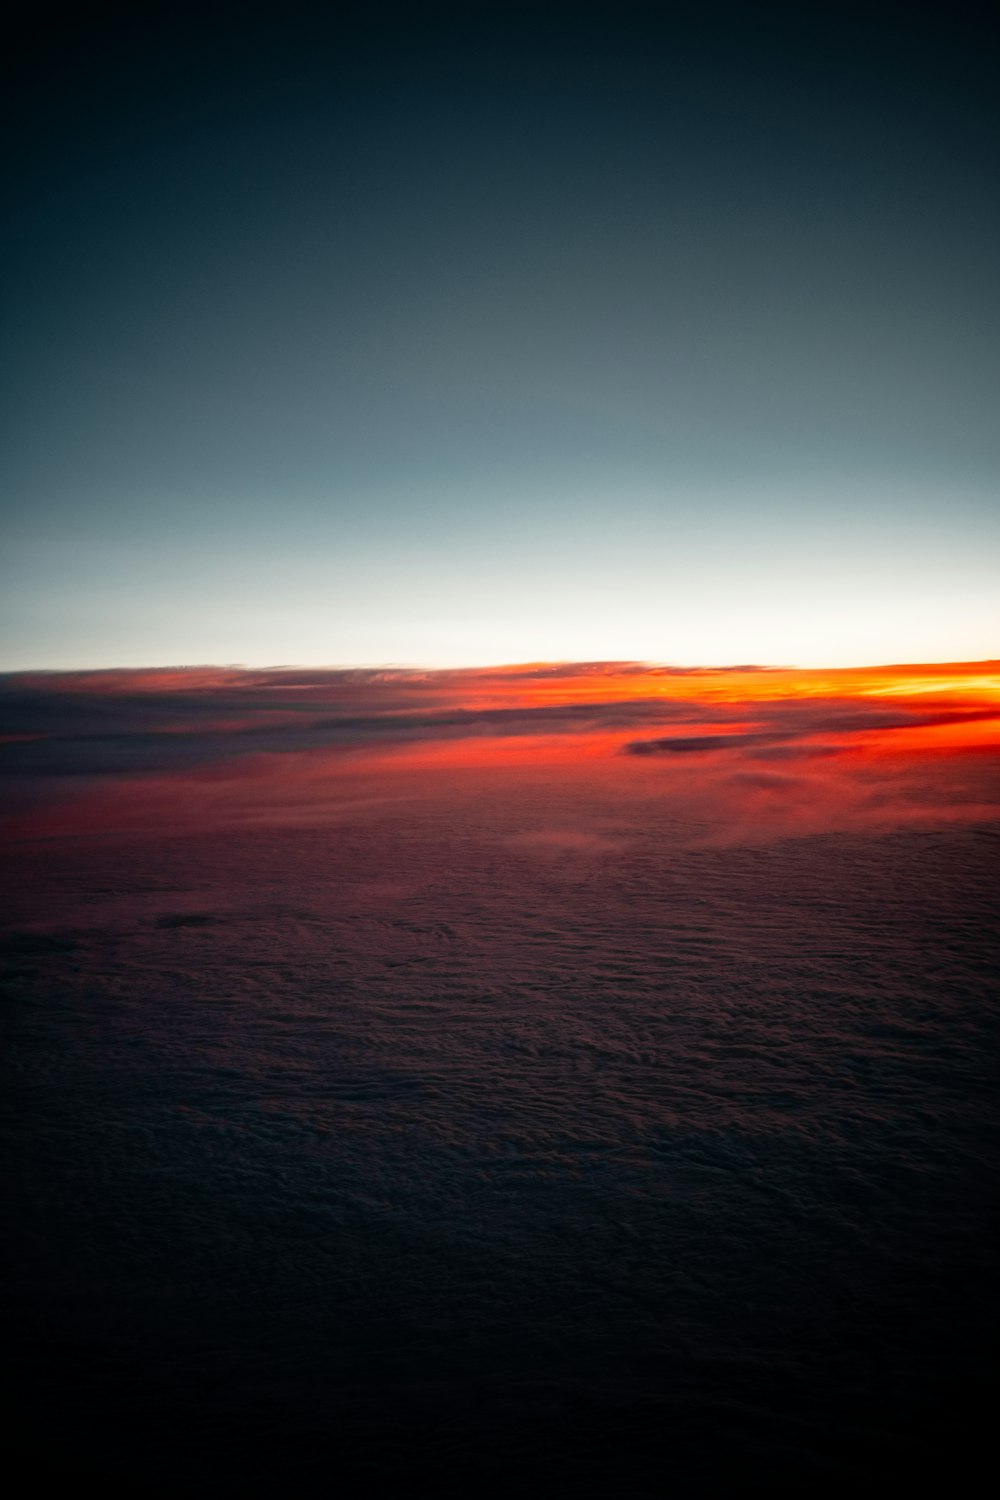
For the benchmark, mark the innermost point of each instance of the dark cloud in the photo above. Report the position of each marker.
(796, 720)
(695, 744)
(121, 723)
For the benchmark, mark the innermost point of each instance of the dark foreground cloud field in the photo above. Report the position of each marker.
(571, 1080)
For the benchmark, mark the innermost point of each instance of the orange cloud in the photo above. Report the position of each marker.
(745, 752)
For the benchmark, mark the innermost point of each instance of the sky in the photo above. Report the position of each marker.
(458, 335)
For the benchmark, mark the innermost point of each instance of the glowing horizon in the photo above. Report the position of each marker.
(744, 753)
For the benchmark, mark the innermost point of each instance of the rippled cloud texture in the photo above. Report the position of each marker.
(582, 749)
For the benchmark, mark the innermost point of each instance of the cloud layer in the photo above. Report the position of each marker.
(121, 748)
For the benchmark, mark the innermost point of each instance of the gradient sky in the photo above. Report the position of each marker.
(469, 334)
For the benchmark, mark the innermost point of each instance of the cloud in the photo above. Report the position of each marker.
(62, 726)
(125, 749)
(766, 781)
(695, 744)
(565, 841)
(794, 722)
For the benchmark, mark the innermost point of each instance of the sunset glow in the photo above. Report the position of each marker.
(176, 749)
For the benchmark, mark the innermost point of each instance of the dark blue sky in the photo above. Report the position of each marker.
(442, 334)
